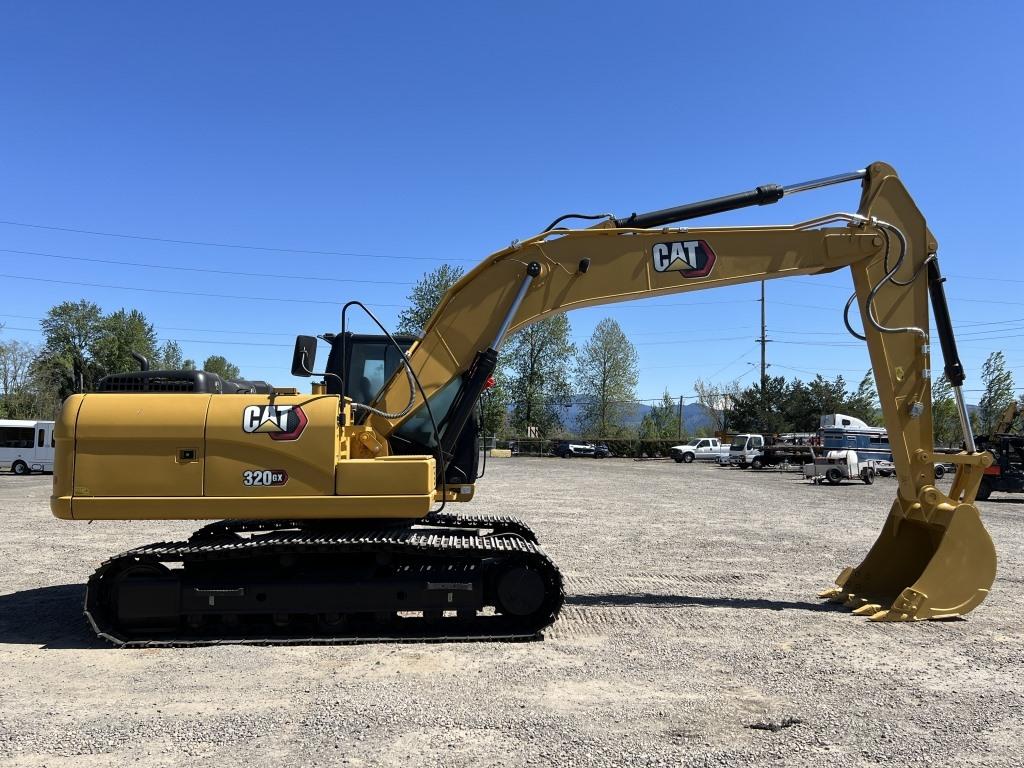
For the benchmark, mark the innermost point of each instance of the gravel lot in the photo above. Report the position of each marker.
(690, 620)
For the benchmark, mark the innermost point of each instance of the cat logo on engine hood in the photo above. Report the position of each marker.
(690, 258)
(281, 422)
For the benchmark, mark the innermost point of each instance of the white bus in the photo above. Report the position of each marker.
(26, 446)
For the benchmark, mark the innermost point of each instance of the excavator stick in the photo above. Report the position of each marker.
(933, 558)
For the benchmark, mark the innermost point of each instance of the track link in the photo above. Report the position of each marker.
(409, 583)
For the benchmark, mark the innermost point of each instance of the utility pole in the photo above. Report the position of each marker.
(764, 344)
(681, 425)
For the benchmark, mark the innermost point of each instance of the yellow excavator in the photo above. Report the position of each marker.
(331, 511)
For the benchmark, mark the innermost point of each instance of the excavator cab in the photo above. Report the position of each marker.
(360, 365)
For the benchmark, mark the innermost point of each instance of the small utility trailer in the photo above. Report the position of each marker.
(836, 466)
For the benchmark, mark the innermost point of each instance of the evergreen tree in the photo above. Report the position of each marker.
(606, 380)
(863, 404)
(424, 297)
(765, 411)
(661, 422)
(825, 397)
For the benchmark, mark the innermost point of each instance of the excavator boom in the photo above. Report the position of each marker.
(391, 456)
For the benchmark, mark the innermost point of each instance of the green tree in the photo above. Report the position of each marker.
(170, 356)
(219, 365)
(122, 333)
(17, 395)
(998, 394)
(537, 361)
(766, 411)
(494, 407)
(424, 297)
(825, 397)
(188, 364)
(661, 422)
(71, 331)
(945, 419)
(606, 380)
(863, 404)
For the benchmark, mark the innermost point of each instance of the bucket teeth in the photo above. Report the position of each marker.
(920, 569)
(868, 609)
(891, 615)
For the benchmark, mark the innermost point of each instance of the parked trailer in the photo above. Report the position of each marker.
(26, 446)
(836, 466)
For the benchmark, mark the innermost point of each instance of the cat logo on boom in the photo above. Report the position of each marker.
(281, 422)
(690, 258)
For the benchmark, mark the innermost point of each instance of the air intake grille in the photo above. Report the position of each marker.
(128, 382)
(199, 382)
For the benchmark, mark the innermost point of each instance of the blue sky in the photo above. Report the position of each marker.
(441, 132)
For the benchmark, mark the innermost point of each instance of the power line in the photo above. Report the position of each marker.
(218, 342)
(732, 362)
(177, 328)
(211, 244)
(819, 343)
(188, 293)
(317, 277)
(689, 341)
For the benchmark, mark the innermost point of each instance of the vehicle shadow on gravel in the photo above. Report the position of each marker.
(47, 616)
(612, 600)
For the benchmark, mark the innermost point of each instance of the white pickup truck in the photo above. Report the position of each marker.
(699, 449)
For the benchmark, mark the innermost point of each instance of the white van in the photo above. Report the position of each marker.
(26, 446)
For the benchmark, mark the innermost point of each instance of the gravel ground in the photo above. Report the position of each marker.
(690, 636)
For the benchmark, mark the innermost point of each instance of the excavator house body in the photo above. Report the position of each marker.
(325, 500)
(200, 456)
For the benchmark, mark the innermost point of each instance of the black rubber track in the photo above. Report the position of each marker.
(224, 546)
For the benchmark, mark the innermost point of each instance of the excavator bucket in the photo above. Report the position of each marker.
(921, 569)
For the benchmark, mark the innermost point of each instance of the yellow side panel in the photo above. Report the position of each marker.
(258, 446)
(132, 444)
(253, 508)
(395, 475)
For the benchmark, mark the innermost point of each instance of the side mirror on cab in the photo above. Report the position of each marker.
(304, 356)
